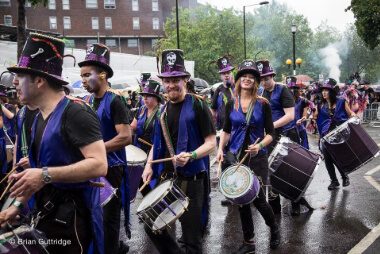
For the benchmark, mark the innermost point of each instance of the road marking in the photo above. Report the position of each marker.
(375, 232)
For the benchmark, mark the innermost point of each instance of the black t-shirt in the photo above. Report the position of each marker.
(80, 127)
(286, 98)
(119, 110)
(28, 122)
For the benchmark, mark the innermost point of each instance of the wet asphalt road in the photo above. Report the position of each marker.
(340, 220)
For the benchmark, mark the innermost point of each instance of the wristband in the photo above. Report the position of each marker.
(18, 204)
(261, 145)
(194, 155)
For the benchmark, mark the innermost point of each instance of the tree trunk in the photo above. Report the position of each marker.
(21, 32)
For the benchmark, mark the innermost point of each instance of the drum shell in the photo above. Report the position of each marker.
(107, 192)
(135, 172)
(357, 150)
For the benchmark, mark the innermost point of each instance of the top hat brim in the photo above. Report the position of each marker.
(27, 70)
(151, 94)
(227, 69)
(245, 71)
(272, 73)
(107, 68)
(173, 74)
(326, 87)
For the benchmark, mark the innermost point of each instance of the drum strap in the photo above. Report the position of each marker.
(165, 132)
(24, 143)
(150, 118)
(248, 116)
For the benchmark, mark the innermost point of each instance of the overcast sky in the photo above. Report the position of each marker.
(315, 10)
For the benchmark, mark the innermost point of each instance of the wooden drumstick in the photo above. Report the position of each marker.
(6, 189)
(97, 184)
(144, 142)
(219, 169)
(166, 159)
(245, 157)
(143, 186)
(7, 175)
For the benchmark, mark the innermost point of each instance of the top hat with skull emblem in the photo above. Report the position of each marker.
(144, 78)
(291, 82)
(224, 64)
(152, 89)
(42, 55)
(265, 68)
(248, 66)
(328, 84)
(172, 64)
(98, 55)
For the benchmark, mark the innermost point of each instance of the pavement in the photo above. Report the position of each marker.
(344, 221)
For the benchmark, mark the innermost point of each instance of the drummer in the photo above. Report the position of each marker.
(301, 110)
(243, 137)
(63, 157)
(143, 123)
(114, 119)
(331, 112)
(186, 132)
(5, 115)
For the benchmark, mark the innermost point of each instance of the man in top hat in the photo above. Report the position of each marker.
(224, 93)
(66, 151)
(114, 120)
(301, 110)
(186, 133)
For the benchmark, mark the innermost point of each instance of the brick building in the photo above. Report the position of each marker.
(128, 26)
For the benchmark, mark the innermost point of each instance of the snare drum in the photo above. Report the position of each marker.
(292, 168)
(107, 192)
(23, 239)
(136, 159)
(350, 146)
(162, 206)
(240, 186)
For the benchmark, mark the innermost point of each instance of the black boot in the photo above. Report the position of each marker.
(275, 204)
(333, 185)
(274, 237)
(226, 202)
(304, 202)
(246, 248)
(123, 248)
(346, 181)
(296, 209)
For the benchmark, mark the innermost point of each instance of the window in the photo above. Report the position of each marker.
(5, 2)
(108, 23)
(27, 4)
(135, 5)
(91, 4)
(111, 42)
(66, 4)
(53, 22)
(154, 42)
(51, 4)
(156, 23)
(69, 43)
(132, 43)
(109, 4)
(8, 20)
(92, 41)
(154, 5)
(136, 23)
(95, 23)
(66, 23)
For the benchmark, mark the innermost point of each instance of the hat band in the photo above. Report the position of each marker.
(175, 68)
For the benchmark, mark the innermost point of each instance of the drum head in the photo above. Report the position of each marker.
(135, 155)
(167, 216)
(155, 195)
(235, 183)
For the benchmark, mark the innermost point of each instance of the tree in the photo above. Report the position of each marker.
(21, 31)
(367, 14)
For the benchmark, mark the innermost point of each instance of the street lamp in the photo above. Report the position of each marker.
(245, 42)
(294, 30)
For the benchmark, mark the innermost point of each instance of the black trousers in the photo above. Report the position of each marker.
(330, 166)
(191, 222)
(259, 164)
(112, 211)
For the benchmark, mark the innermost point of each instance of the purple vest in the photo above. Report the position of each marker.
(324, 120)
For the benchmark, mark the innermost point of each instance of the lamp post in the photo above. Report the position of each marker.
(177, 22)
(245, 42)
(294, 30)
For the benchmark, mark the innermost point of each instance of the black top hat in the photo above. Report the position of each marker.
(144, 78)
(265, 68)
(248, 66)
(42, 55)
(329, 84)
(291, 82)
(172, 64)
(99, 55)
(152, 89)
(224, 64)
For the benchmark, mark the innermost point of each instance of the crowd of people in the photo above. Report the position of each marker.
(67, 149)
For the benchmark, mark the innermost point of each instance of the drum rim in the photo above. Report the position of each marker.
(344, 125)
(105, 202)
(276, 151)
(187, 200)
(257, 194)
(136, 163)
(138, 149)
(159, 198)
(245, 192)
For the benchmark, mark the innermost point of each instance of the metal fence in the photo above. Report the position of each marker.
(372, 115)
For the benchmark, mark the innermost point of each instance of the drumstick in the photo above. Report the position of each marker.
(6, 189)
(245, 157)
(166, 159)
(143, 186)
(9, 173)
(97, 184)
(219, 169)
(144, 142)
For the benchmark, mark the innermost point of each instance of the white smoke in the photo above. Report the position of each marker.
(331, 59)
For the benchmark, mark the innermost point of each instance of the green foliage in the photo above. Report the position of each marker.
(367, 14)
